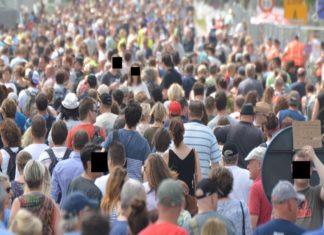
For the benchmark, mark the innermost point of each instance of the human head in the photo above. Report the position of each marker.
(207, 194)
(2, 198)
(285, 201)
(133, 113)
(247, 113)
(214, 226)
(10, 133)
(138, 218)
(4, 180)
(60, 76)
(88, 110)
(95, 224)
(85, 154)
(255, 158)
(301, 156)
(220, 100)
(176, 129)
(116, 155)
(158, 112)
(38, 127)
(80, 139)
(161, 140)
(167, 60)
(230, 154)
(250, 70)
(224, 179)
(105, 102)
(8, 108)
(156, 170)
(41, 102)
(294, 99)
(59, 132)
(34, 173)
(301, 74)
(21, 160)
(175, 92)
(131, 189)
(196, 110)
(26, 223)
(198, 89)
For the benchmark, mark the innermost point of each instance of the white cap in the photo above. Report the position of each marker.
(70, 101)
(256, 154)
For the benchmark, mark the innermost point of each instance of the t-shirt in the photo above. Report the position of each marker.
(81, 184)
(171, 76)
(119, 228)
(149, 134)
(88, 127)
(58, 152)
(310, 216)
(300, 87)
(279, 227)
(293, 114)
(317, 232)
(163, 228)
(200, 219)
(213, 123)
(35, 150)
(258, 203)
(101, 183)
(250, 84)
(106, 121)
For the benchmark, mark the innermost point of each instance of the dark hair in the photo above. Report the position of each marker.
(221, 82)
(220, 100)
(198, 88)
(59, 132)
(210, 103)
(138, 218)
(176, 129)
(9, 108)
(80, 139)
(161, 140)
(239, 101)
(10, 132)
(223, 121)
(60, 76)
(41, 101)
(223, 178)
(95, 224)
(189, 69)
(116, 153)
(86, 105)
(85, 153)
(252, 97)
(133, 113)
(196, 109)
(157, 95)
(167, 60)
(277, 61)
(38, 126)
(118, 96)
(67, 114)
(175, 58)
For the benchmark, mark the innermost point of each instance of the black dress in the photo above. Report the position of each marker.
(185, 168)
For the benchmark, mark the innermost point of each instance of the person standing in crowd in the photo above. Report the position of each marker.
(199, 137)
(136, 147)
(310, 214)
(181, 158)
(26, 223)
(95, 223)
(3, 229)
(244, 135)
(87, 113)
(233, 209)
(295, 51)
(241, 177)
(207, 197)
(69, 110)
(285, 202)
(65, 171)
(35, 201)
(300, 85)
(170, 202)
(259, 206)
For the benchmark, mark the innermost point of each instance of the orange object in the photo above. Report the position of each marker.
(295, 52)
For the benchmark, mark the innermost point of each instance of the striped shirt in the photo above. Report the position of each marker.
(202, 139)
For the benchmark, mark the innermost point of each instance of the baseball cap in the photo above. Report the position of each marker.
(175, 108)
(34, 77)
(283, 191)
(247, 109)
(105, 98)
(256, 154)
(294, 98)
(77, 201)
(206, 187)
(230, 151)
(170, 193)
(70, 101)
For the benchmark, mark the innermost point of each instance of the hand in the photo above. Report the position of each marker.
(309, 151)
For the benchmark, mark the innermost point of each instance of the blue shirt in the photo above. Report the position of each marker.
(3, 230)
(119, 228)
(315, 232)
(136, 148)
(72, 233)
(295, 115)
(64, 172)
(279, 226)
(20, 120)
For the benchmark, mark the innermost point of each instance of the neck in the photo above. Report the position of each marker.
(59, 145)
(38, 141)
(105, 110)
(88, 176)
(21, 178)
(157, 124)
(168, 217)
(86, 121)
(43, 113)
(130, 128)
(301, 187)
(221, 112)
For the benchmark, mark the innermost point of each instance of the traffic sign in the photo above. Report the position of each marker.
(296, 10)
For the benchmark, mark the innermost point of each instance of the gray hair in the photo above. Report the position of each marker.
(34, 173)
(250, 70)
(2, 195)
(68, 222)
(131, 189)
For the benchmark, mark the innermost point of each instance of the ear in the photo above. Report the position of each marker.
(89, 166)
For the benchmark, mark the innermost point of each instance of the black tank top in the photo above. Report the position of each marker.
(185, 168)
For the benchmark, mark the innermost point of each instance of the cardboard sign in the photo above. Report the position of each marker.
(307, 133)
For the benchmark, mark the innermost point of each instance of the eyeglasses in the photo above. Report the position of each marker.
(8, 189)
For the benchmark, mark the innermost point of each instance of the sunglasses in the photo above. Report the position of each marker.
(8, 190)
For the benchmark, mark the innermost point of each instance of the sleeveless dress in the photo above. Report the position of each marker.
(42, 207)
(185, 168)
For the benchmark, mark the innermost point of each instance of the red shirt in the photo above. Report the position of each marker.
(163, 229)
(258, 203)
(88, 127)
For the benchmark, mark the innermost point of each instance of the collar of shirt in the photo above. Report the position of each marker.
(75, 155)
(195, 120)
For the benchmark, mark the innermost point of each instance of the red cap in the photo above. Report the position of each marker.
(175, 108)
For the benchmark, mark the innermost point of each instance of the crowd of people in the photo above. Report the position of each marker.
(184, 121)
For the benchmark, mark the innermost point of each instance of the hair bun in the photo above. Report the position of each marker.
(138, 205)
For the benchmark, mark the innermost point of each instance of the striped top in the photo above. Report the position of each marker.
(202, 139)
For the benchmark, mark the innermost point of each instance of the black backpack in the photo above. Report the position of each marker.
(53, 158)
(11, 170)
(97, 138)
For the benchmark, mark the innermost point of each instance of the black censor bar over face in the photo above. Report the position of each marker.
(301, 169)
(99, 162)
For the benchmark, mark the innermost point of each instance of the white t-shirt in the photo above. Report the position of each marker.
(58, 152)
(241, 184)
(35, 150)
(139, 88)
(151, 199)
(106, 121)
(101, 183)
(5, 158)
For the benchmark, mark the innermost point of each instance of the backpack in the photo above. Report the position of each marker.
(54, 160)
(97, 138)
(59, 95)
(30, 108)
(11, 170)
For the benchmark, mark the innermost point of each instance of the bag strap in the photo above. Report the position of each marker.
(195, 174)
(115, 135)
(51, 155)
(67, 154)
(194, 226)
(96, 132)
(10, 152)
(243, 225)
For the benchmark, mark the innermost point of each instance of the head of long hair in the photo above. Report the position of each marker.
(113, 188)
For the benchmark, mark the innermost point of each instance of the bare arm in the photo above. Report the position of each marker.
(254, 221)
(14, 209)
(198, 176)
(315, 110)
(166, 157)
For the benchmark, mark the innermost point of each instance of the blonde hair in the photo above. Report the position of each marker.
(175, 92)
(146, 109)
(34, 173)
(27, 138)
(159, 112)
(25, 223)
(46, 188)
(214, 226)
